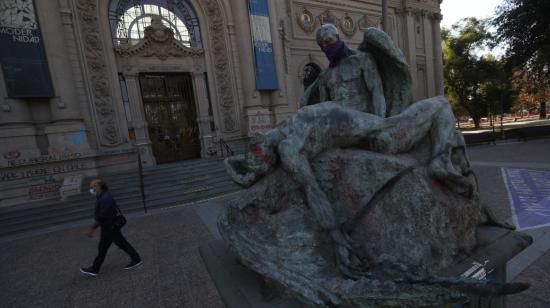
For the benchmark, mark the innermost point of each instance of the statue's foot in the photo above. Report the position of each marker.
(441, 168)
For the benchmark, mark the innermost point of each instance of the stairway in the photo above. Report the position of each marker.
(165, 185)
(185, 182)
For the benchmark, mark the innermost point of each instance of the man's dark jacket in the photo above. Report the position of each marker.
(105, 209)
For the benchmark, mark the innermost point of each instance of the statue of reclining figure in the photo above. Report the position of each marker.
(391, 127)
(317, 128)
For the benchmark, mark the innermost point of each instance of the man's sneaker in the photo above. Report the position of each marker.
(90, 271)
(133, 264)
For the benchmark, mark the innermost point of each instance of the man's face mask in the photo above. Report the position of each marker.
(92, 192)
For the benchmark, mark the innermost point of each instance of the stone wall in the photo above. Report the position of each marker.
(85, 122)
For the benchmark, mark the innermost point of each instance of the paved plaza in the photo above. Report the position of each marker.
(42, 270)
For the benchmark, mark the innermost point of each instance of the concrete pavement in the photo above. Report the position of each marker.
(532, 265)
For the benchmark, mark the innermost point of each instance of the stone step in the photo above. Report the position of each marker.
(53, 209)
(165, 185)
(191, 197)
(84, 200)
(58, 220)
(69, 211)
(170, 182)
(184, 173)
(183, 165)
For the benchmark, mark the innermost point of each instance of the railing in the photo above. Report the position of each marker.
(219, 148)
(141, 184)
(225, 149)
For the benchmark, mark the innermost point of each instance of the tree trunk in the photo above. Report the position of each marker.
(542, 113)
(476, 121)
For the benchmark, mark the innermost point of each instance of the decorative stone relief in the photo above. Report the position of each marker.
(348, 25)
(306, 21)
(328, 18)
(222, 71)
(94, 53)
(369, 21)
(158, 41)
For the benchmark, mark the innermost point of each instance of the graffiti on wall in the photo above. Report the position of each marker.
(41, 171)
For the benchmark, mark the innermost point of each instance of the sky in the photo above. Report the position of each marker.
(454, 10)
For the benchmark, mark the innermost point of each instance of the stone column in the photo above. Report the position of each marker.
(410, 51)
(17, 134)
(278, 97)
(139, 123)
(64, 106)
(241, 32)
(204, 119)
(430, 61)
(438, 54)
(67, 133)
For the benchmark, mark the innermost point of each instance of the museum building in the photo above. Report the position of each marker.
(87, 85)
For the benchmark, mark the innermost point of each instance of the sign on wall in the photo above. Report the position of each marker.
(266, 74)
(259, 122)
(22, 55)
(529, 193)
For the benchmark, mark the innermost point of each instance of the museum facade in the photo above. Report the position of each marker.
(86, 85)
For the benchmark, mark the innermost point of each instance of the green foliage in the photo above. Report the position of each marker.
(474, 85)
(524, 25)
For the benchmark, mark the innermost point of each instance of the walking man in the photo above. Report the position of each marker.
(106, 212)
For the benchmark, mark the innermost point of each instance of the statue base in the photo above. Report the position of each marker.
(240, 287)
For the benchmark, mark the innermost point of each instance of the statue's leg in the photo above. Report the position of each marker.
(430, 117)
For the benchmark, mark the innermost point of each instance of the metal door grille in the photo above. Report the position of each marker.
(169, 105)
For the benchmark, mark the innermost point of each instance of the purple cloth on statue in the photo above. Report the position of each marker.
(529, 193)
(335, 51)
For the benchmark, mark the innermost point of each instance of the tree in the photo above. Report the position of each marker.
(524, 26)
(474, 83)
(533, 90)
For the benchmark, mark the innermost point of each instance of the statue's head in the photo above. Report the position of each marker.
(327, 35)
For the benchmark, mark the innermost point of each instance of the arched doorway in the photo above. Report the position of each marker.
(158, 45)
(310, 72)
(169, 106)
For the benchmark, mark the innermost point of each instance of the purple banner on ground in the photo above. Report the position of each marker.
(529, 193)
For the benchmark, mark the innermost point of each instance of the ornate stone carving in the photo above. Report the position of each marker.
(158, 41)
(306, 21)
(369, 21)
(348, 25)
(222, 70)
(328, 18)
(93, 50)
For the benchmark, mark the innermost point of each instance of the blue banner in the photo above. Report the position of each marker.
(266, 74)
(22, 55)
(529, 193)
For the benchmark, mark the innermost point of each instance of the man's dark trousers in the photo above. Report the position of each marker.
(109, 236)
